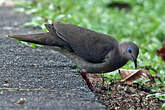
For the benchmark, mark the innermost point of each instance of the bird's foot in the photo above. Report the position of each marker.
(90, 85)
(103, 82)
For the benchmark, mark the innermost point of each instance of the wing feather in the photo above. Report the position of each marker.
(91, 46)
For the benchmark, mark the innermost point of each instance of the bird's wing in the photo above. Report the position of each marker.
(89, 45)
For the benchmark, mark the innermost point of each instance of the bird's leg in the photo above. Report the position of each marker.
(83, 74)
(102, 76)
(103, 79)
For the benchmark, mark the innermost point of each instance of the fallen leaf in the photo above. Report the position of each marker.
(21, 101)
(161, 52)
(129, 76)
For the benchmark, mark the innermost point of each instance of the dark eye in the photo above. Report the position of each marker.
(130, 50)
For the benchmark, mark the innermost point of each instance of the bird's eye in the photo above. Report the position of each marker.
(130, 50)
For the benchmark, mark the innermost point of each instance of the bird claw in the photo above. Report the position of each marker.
(90, 85)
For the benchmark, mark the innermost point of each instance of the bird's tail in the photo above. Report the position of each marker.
(40, 38)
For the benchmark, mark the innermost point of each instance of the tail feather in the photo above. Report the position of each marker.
(48, 39)
(41, 38)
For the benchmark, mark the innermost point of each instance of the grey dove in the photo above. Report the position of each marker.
(91, 51)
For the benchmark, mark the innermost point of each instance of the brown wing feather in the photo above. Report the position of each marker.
(88, 44)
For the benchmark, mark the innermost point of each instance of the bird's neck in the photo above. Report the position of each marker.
(117, 61)
(123, 60)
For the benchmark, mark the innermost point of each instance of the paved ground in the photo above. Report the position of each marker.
(27, 67)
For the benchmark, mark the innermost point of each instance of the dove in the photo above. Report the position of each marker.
(92, 52)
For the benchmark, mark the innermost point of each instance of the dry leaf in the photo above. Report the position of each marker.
(21, 101)
(129, 76)
(161, 52)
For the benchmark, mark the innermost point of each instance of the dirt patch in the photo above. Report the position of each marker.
(119, 96)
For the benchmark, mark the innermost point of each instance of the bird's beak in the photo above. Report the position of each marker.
(135, 61)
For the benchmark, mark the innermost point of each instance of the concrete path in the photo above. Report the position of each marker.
(37, 68)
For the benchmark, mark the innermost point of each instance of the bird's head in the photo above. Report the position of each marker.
(129, 51)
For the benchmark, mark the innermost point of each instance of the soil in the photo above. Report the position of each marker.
(119, 96)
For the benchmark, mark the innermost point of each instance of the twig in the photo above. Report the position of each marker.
(28, 89)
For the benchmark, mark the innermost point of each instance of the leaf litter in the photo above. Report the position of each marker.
(126, 93)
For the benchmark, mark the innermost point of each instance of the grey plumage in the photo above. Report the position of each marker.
(91, 51)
